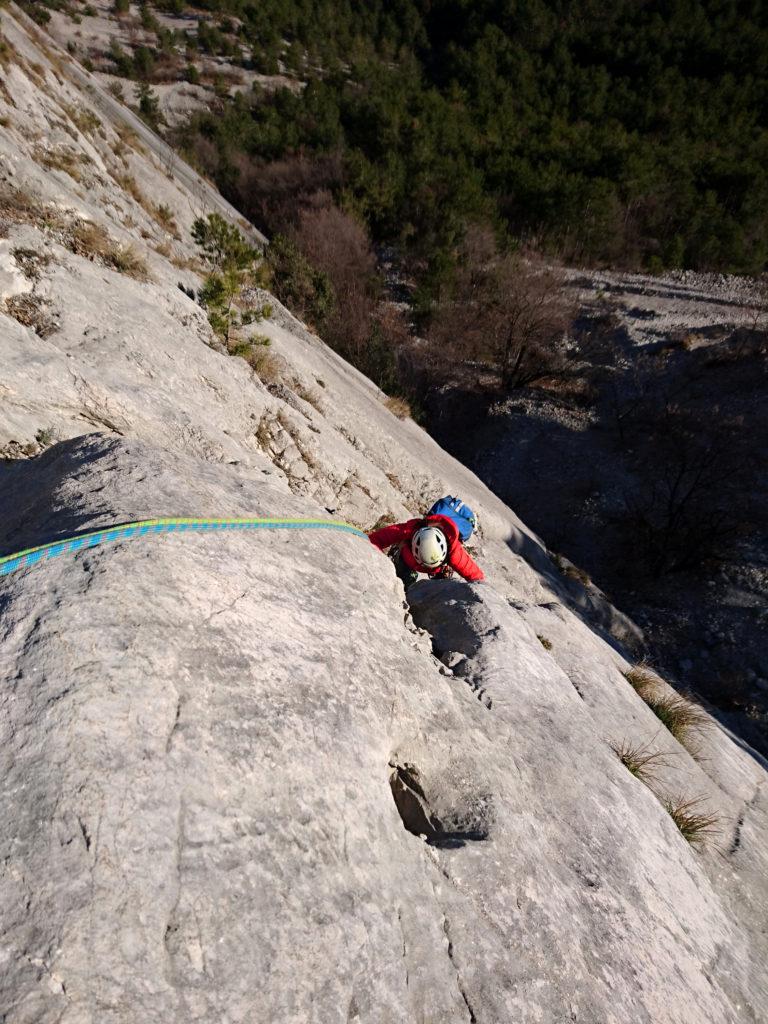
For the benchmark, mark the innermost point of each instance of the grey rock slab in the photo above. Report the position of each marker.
(203, 736)
(608, 913)
(196, 741)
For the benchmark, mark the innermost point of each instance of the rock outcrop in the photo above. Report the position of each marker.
(242, 779)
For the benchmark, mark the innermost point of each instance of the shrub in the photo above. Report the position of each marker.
(148, 20)
(276, 193)
(16, 204)
(39, 14)
(223, 246)
(308, 395)
(304, 289)
(149, 106)
(129, 184)
(695, 466)
(127, 135)
(6, 51)
(252, 316)
(220, 87)
(505, 312)
(571, 571)
(240, 348)
(264, 363)
(219, 295)
(696, 826)
(45, 437)
(574, 572)
(86, 238)
(30, 261)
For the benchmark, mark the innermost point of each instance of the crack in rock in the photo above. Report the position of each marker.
(86, 834)
(459, 982)
(405, 949)
(227, 607)
(171, 936)
(174, 725)
(736, 841)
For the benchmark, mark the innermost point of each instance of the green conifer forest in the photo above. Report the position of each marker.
(632, 134)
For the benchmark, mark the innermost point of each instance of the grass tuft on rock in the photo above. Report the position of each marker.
(6, 51)
(164, 216)
(308, 395)
(127, 260)
(256, 352)
(19, 206)
(94, 243)
(86, 121)
(398, 407)
(642, 680)
(680, 716)
(31, 311)
(45, 437)
(697, 826)
(640, 760)
(60, 159)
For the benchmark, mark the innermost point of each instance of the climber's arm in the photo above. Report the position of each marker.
(464, 565)
(389, 535)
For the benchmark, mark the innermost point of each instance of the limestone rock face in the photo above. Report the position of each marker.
(238, 784)
(241, 779)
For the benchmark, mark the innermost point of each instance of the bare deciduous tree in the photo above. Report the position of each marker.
(273, 195)
(507, 312)
(338, 245)
(695, 465)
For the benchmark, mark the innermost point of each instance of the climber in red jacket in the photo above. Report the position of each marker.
(430, 545)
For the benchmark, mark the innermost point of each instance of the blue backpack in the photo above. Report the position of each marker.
(461, 515)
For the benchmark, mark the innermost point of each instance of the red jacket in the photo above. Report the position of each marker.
(401, 534)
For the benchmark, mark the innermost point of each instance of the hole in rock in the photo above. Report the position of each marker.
(464, 824)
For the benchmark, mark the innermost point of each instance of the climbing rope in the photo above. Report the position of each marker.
(31, 556)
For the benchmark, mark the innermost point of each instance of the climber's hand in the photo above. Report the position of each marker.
(444, 573)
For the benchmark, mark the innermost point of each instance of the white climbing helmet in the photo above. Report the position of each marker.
(429, 546)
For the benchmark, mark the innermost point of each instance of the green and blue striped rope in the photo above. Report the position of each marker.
(32, 556)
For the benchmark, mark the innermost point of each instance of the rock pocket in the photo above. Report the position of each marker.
(448, 819)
